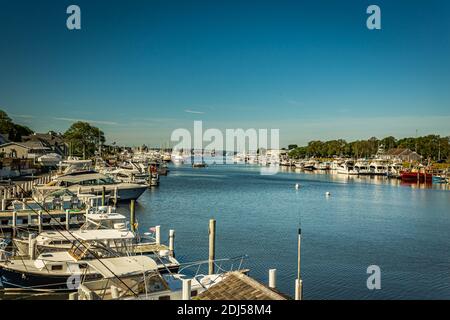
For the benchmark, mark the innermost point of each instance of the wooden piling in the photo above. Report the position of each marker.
(40, 221)
(3, 204)
(212, 245)
(132, 216)
(158, 234)
(172, 242)
(67, 219)
(14, 224)
(186, 293)
(103, 196)
(273, 278)
(298, 289)
(31, 246)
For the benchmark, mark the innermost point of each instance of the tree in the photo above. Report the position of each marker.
(14, 131)
(83, 138)
(292, 146)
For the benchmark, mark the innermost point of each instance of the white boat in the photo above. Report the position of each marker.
(348, 168)
(93, 183)
(362, 167)
(50, 160)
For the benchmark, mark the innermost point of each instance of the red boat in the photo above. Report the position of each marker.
(416, 176)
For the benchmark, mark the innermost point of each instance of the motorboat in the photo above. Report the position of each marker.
(94, 183)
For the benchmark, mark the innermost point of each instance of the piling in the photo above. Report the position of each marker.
(40, 220)
(103, 196)
(212, 245)
(186, 289)
(299, 252)
(67, 219)
(158, 234)
(298, 289)
(171, 242)
(24, 204)
(273, 278)
(115, 196)
(31, 246)
(132, 217)
(14, 224)
(3, 204)
(114, 292)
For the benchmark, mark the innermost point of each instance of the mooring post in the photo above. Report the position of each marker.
(273, 278)
(40, 220)
(132, 217)
(14, 223)
(212, 245)
(103, 196)
(158, 234)
(172, 242)
(24, 204)
(298, 289)
(186, 289)
(3, 204)
(32, 246)
(67, 219)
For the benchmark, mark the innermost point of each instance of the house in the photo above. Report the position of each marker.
(24, 150)
(401, 154)
(52, 140)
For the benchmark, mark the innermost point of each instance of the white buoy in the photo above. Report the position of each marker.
(327, 193)
(297, 186)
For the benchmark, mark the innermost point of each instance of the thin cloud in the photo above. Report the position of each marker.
(293, 102)
(110, 123)
(193, 111)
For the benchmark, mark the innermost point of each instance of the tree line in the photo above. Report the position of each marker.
(432, 147)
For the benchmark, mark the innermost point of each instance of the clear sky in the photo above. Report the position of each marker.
(139, 69)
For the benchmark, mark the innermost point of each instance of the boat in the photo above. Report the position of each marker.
(94, 183)
(347, 167)
(362, 167)
(199, 165)
(416, 176)
(50, 160)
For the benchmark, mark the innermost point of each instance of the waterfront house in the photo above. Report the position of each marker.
(401, 154)
(23, 150)
(52, 140)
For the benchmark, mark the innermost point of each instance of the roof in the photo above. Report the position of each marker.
(238, 286)
(102, 234)
(28, 145)
(123, 266)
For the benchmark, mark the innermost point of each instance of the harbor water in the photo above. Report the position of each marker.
(403, 229)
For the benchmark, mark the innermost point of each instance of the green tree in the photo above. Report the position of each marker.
(14, 131)
(84, 139)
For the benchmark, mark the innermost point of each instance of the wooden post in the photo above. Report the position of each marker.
(171, 242)
(298, 289)
(132, 217)
(103, 196)
(212, 245)
(31, 246)
(186, 289)
(14, 223)
(299, 253)
(40, 220)
(67, 219)
(3, 204)
(273, 278)
(158, 234)
(24, 204)
(115, 196)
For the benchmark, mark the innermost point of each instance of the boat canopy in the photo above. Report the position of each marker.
(82, 177)
(123, 266)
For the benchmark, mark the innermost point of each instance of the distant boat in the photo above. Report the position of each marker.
(199, 165)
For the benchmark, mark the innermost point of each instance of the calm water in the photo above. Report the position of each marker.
(401, 228)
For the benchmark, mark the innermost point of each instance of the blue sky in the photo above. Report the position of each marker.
(139, 69)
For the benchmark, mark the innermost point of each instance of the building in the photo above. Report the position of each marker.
(401, 154)
(52, 140)
(24, 150)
